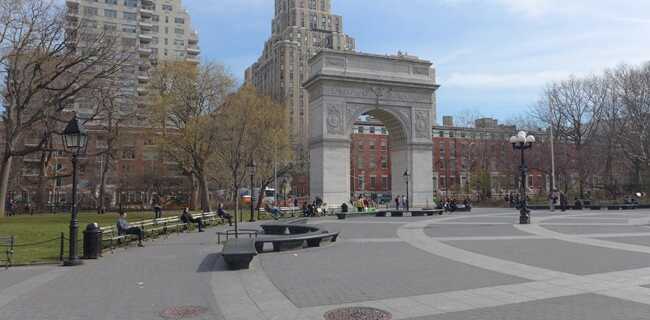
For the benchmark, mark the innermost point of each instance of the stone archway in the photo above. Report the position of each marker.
(399, 91)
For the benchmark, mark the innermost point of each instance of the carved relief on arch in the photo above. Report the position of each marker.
(335, 120)
(422, 124)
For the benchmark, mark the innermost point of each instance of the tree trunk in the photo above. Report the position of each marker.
(204, 192)
(5, 171)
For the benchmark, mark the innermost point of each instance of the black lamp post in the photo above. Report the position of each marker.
(75, 138)
(406, 176)
(251, 169)
(521, 142)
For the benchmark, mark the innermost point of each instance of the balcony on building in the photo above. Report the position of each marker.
(193, 38)
(146, 13)
(193, 51)
(72, 3)
(145, 25)
(193, 59)
(142, 91)
(144, 51)
(143, 77)
(145, 38)
(147, 2)
(72, 14)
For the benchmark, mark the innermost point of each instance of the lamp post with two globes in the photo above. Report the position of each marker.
(522, 142)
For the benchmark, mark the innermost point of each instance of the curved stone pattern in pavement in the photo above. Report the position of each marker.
(580, 265)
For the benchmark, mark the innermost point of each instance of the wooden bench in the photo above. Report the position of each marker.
(8, 242)
(238, 253)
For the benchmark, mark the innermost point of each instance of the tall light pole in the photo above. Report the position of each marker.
(406, 176)
(521, 142)
(75, 138)
(251, 170)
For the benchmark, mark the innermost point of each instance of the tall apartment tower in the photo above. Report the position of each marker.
(151, 30)
(300, 29)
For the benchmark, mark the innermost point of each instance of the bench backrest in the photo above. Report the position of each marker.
(7, 241)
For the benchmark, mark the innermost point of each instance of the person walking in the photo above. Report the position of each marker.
(157, 207)
(359, 204)
(552, 197)
(397, 203)
(563, 201)
(404, 202)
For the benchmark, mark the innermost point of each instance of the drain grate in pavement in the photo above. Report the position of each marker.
(358, 313)
(183, 312)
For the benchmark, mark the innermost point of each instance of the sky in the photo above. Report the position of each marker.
(493, 57)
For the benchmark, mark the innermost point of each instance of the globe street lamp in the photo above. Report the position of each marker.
(251, 170)
(406, 176)
(75, 138)
(521, 142)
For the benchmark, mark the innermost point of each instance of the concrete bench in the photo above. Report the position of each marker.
(238, 253)
(288, 242)
(8, 242)
(284, 229)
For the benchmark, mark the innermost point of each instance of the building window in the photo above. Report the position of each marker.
(167, 7)
(128, 28)
(384, 183)
(90, 11)
(108, 13)
(179, 20)
(130, 16)
(179, 31)
(128, 154)
(373, 182)
(114, 2)
(131, 3)
(110, 27)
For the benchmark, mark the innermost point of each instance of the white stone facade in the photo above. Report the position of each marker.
(399, 91)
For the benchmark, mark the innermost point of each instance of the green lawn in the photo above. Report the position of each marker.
(44, 231)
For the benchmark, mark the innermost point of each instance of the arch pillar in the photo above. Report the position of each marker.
(398, 91)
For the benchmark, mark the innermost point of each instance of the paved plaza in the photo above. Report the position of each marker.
(574, 265)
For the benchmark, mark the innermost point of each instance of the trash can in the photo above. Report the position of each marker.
(92, 241)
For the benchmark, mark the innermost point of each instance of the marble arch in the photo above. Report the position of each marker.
(399, 91)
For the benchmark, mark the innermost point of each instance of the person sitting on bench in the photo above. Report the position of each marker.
(274, 211)
(224, 215)
(186, 217)
(123, 228)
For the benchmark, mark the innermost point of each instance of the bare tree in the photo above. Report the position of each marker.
(46, 59)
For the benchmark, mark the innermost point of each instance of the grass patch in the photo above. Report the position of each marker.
(38, 236)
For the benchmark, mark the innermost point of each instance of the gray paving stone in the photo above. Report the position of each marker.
(580, 307)
(358, 230)
(643, 240)
(14, 275)
(471, 230)
(137, 283)
(506, 219)
(597, 229)
(346, 273)
(587, 219)
(558, 255)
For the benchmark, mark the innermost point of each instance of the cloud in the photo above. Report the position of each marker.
(505, 80)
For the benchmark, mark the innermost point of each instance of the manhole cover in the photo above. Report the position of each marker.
(358, 313)
(183, 312)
